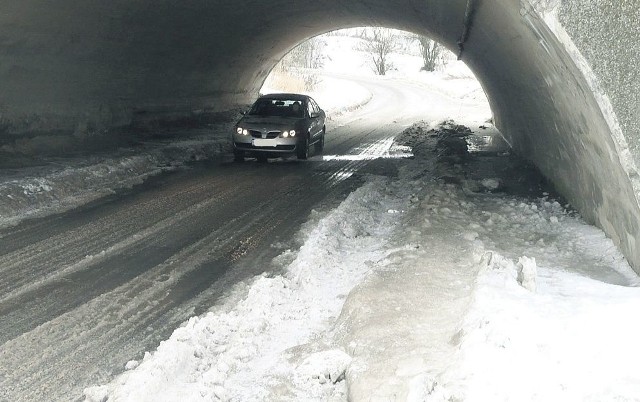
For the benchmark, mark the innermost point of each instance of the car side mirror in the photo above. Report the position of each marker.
(315, 115)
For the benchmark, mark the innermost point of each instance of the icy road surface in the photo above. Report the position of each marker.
(84, 292)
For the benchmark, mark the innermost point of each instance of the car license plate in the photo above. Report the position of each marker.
(260, 142)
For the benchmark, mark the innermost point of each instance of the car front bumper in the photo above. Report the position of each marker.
(269, 145)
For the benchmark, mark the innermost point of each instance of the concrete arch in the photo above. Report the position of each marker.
(92, 65)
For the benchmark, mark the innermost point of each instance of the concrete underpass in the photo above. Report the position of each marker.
(559, 76)
(138, 262)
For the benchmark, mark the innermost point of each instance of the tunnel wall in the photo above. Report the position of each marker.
(562, 90)
(607, 34)
(599, 37)
(570, 129)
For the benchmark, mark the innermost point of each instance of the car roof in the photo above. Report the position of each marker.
(298, 97)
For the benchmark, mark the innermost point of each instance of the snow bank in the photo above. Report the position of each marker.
(573, 340)
(417, 289)
(65, 184)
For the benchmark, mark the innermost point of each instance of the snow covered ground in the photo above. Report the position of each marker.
(453, 79)
(60, 184)
(441, 284)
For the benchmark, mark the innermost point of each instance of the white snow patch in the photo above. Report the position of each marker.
(571, 341)
(491, 184)
(65, 184)
(325, 366)
(527, 273)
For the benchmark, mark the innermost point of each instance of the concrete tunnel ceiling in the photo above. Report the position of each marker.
(91, 65)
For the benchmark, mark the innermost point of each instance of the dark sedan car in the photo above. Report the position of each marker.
(280, 124)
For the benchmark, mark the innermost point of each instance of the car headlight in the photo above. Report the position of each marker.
(242, 131)
(290, 133)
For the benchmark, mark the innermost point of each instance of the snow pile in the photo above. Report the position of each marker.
(417, 288)
(550, 313)
(66, 184)
(572, 340)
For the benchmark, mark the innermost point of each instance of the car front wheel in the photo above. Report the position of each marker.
(238, 156)
(319, 146)
(303, 149)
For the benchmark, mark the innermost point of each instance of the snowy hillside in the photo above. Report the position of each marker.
(340, 53)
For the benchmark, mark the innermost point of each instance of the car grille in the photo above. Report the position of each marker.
(249, 147)
(270, 134)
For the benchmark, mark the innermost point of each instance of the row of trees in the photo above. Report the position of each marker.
(296, 69)
(380, 43)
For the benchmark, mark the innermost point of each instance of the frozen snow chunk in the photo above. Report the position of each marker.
(527, 271)
(470, 235)
(486, 261)
(553, 219)
(328, 365)
(96, 394)
(491, 184)
(131, 364)
(410, 366)
(219, 392)
(420, 387)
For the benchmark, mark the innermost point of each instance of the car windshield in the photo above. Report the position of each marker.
(277, 107)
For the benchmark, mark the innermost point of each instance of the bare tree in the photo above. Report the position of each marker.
(431, 53)
(308, 54)
(379, 43)
(296, 70)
